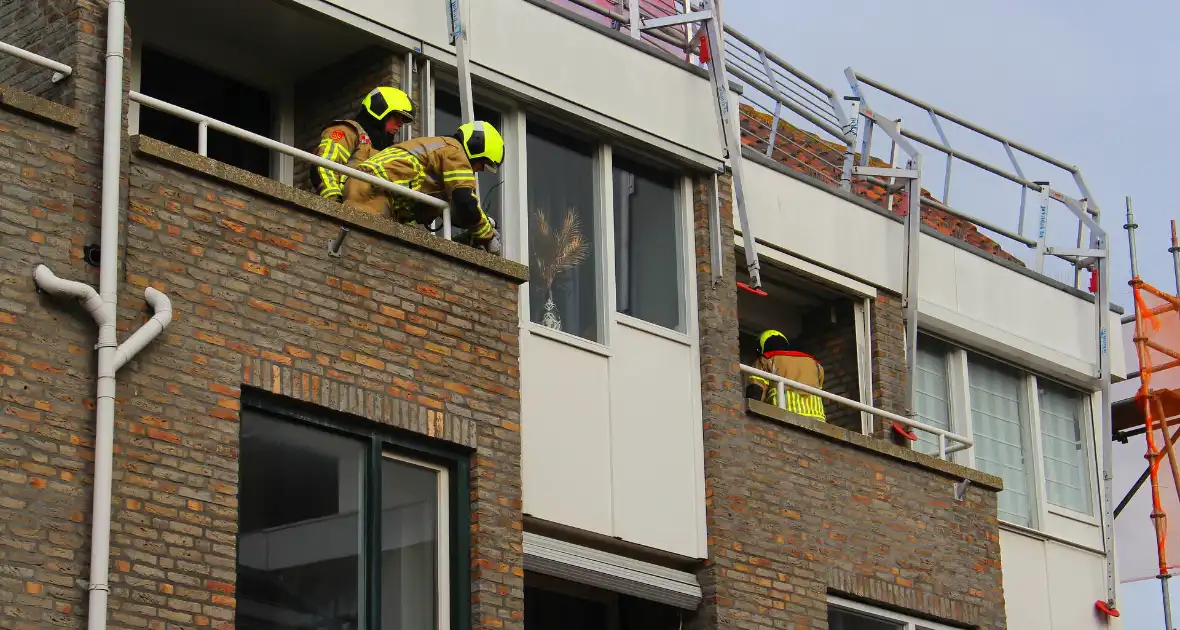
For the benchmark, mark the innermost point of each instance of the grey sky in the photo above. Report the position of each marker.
(1086, 81)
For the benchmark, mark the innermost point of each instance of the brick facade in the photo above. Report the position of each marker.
(396, 330)
(797, 510)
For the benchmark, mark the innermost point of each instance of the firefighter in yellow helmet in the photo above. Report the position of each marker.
(383, 113)
(777, 358)
(443, 167)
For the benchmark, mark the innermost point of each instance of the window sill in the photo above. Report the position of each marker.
(341, 213)
(567, 339)
(653, 329)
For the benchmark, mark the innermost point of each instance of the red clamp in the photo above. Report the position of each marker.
(1106, 608)
(905, 433)
(745, 287)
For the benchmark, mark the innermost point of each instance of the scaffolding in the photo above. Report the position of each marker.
(1157, 348)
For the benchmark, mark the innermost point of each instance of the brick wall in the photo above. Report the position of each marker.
(797, 510)
(44, 27)
(335, 92)
(424, 337)
(889, 368)
(833, 344)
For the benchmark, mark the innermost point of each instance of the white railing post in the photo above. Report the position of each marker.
(203, 138)
(782, 395)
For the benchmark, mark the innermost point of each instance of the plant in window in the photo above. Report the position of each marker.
(554, 252)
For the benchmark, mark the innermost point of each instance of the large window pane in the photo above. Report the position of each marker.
(1066, 458)
(446, 121)
(300, 529)
(999, 419)
(932, 392)
(563, 256)
(409, 546)
(841, 619)
(647, 246)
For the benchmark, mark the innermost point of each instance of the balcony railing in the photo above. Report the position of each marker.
(60, 70)
(205, 123)
(944, 438)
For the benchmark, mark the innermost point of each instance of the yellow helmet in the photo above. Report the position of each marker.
(766, 337)
(481, 141)
(383, 101)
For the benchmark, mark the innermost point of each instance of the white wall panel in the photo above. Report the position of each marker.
(1026, 576)
(1076, 581)
(422, 19)
(961, 294)
(565, 434)
(653, 451)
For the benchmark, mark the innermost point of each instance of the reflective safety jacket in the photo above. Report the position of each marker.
(798, 367)
(344, 142)
(436, 166)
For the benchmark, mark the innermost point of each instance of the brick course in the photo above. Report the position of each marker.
(833, 344)
(796, 511)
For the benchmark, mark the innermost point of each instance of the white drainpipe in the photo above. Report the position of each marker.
(102, 307)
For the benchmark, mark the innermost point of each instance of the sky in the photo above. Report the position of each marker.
(1085, 81)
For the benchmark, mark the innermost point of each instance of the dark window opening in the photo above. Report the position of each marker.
(206, 92)
(554, 604)
(818, 321)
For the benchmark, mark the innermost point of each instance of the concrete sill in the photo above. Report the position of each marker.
(339, 213)
(37, 107)
(874, 445)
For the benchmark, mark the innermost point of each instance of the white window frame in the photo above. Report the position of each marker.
(907, 622)
(961, 423)
(443, 535)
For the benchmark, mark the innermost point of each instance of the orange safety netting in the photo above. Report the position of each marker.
(1157, 345)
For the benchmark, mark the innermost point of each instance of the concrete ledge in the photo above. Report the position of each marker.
(37, 107)
(309, 202)
(761, 159)
(881, 447)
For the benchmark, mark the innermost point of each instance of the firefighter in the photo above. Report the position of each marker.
(382, 114)
(443, 167)
(778, 358)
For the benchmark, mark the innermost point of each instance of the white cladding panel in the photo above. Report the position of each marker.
(1051, 586)
(654, 459)
(961, 294)
(559, 56)
(565, 434)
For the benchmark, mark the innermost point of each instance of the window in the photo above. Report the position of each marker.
(222, 98)
(446, 121)
(999, 417)
(1063, 442)
(563, 234)
(555, 604)
(321, 511)
(1028, 430)
(931, 392)
(648, 271)
(848, 615)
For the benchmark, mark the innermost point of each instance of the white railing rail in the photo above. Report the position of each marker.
(782, 384)
(205, 123)
(60, 70)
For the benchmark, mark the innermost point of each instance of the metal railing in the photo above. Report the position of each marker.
(943, 436)
(60, 70)
(1013, 173)
(205, 123)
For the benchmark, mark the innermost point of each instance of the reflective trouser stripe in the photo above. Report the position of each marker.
(805, 405)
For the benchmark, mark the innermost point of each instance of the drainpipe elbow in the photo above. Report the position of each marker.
(84, 293)
(162, 308)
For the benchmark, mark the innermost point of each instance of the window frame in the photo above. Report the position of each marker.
(908, 622)
(454, 511)
(961, 422)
